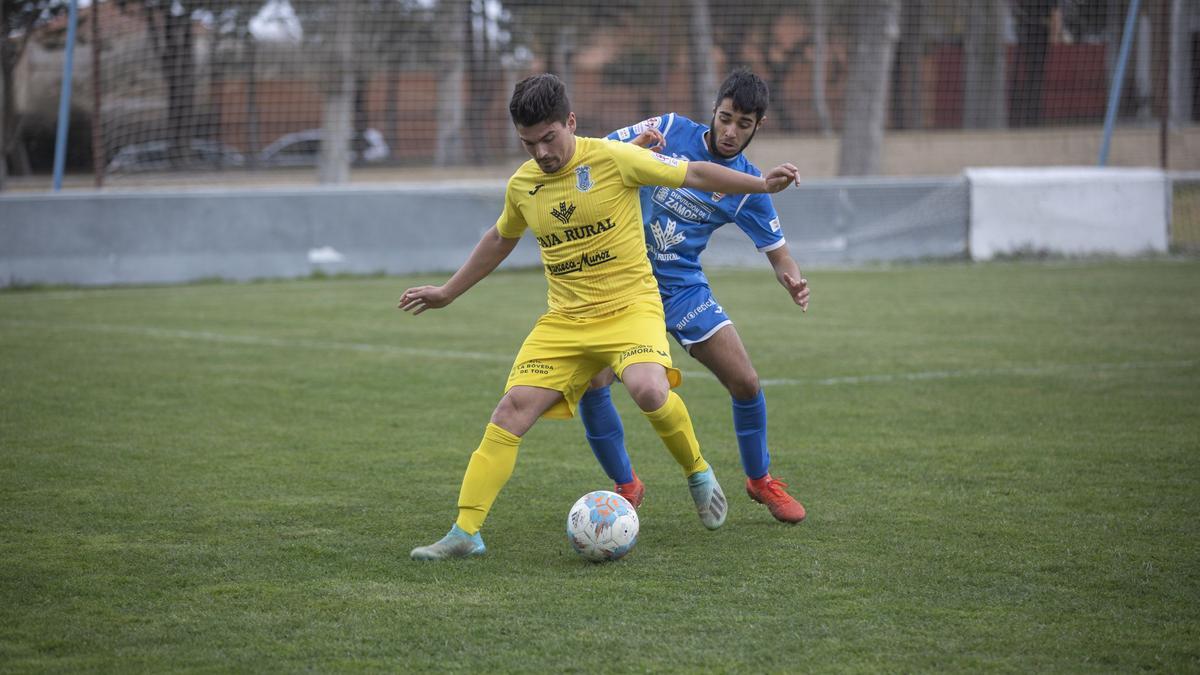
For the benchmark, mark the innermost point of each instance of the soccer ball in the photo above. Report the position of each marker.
(602, 525)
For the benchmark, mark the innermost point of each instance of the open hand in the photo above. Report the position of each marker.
(420, 298)
(798, 289)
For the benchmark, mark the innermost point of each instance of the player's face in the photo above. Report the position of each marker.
(732, 129)
(550, 144)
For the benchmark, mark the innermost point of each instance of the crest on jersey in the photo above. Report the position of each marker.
(583, 178)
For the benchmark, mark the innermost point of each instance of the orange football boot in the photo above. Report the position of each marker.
(767, 490)
(633, 491)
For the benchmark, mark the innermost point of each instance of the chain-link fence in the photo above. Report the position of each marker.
(1185, 212)
(231, 85)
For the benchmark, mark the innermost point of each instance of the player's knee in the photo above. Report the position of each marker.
(745, 385)
(511, 415)
(649, 394)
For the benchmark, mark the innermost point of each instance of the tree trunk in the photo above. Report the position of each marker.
(453, 21)
(5, 88)
(820, 56)
(1179, 87)
(480, 84)
(703, 70)
(983, 96)
(1143, 80)
(178, 66)
(253, 143)
(908, 99)
(337, 119)
(563, 55)
(391, 109)
(98, 157)
(873, 47)
(1033, 39)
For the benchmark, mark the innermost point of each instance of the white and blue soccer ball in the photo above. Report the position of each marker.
(602, 525)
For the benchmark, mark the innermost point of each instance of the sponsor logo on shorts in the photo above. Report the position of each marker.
(700, 309)
(682, 204)
(533, 367)
(643, 349)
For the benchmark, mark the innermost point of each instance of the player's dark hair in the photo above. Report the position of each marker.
(748, 91)
(537, 99)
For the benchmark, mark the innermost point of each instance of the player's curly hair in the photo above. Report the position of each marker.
(537, 99)
(749, 92)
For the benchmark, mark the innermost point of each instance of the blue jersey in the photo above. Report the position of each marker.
(680, 221)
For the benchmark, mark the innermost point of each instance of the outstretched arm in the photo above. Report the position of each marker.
(789, 276)
(711, 177)
(491, 250)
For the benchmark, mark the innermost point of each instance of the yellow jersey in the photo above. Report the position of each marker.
(587, 218)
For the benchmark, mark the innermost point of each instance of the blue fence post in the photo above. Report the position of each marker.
(1114, 89)
(64, 96)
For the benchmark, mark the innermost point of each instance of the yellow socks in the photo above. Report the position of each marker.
(489, 469)
(674, 427)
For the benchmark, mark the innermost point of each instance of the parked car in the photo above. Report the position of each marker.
(302, 148)
(155, 156)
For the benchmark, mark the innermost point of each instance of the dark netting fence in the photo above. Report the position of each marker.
(237, 85)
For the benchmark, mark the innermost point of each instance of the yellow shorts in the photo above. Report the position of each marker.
(564, 353)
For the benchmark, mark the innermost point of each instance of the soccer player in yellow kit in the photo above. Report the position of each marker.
(580, 197)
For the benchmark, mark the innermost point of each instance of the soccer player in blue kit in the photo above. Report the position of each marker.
(679, 222)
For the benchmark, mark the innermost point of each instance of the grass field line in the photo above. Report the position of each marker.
(258, 340)
(1040, 370)
(367, 347)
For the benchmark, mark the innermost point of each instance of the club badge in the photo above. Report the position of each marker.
(583, 178)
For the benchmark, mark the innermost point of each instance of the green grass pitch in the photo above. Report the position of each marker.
(1001, 464)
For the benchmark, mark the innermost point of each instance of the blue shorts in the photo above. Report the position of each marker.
(694, 315)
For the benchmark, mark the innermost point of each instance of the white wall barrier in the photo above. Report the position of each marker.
(115, 237)
(1068, 210)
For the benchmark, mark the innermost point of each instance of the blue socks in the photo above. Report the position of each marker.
(606, 435)
(750, 424)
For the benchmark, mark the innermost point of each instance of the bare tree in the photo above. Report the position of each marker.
(820, 56)
(18, 19)
(452, 21)
(1179, 85)
(4, 89)
(337, 114)
(873, 47)
(1033, 41)
(983, 96)
(907, 96)
(752, 28)
(703, 71)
